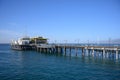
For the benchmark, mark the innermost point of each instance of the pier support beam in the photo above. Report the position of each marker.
(103, 52)
(47, 50)
(83, 51)
(59, 50)
(86, 48)
(76, 49)
(50, 50)
(70, 52)
(92, 51)
(40, 50)
(107, 55)
(37, 49)
(87, 52)
(116, 54)
(65, 50)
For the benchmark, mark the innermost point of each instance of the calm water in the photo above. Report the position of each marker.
(31, 65)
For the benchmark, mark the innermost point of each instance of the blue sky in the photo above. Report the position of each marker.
(60, 19)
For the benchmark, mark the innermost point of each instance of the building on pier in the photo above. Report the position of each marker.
(27, 43)
(38, 40)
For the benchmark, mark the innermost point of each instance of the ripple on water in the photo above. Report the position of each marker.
(30, 65)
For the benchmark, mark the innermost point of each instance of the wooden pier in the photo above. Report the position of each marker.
(89, 50)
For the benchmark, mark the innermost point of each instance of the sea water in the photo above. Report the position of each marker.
(33, 65)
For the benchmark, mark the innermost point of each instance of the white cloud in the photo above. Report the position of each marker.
(12, 23)
(7, 35)
(9, 32)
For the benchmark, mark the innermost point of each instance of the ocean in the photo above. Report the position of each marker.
(33, 65)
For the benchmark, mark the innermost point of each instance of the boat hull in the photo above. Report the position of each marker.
(22, 47)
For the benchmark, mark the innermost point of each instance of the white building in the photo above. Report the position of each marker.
(21, 41)
(24, 41)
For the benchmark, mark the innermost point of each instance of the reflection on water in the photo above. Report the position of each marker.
(32, 65)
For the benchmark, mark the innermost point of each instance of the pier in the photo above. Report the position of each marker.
(41, 45)
(105, 51)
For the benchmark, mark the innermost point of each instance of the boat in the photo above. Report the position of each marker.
(21, 44)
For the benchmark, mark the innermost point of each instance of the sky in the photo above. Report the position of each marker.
(60, 20)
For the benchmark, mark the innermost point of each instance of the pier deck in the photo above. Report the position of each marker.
(56, 48)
